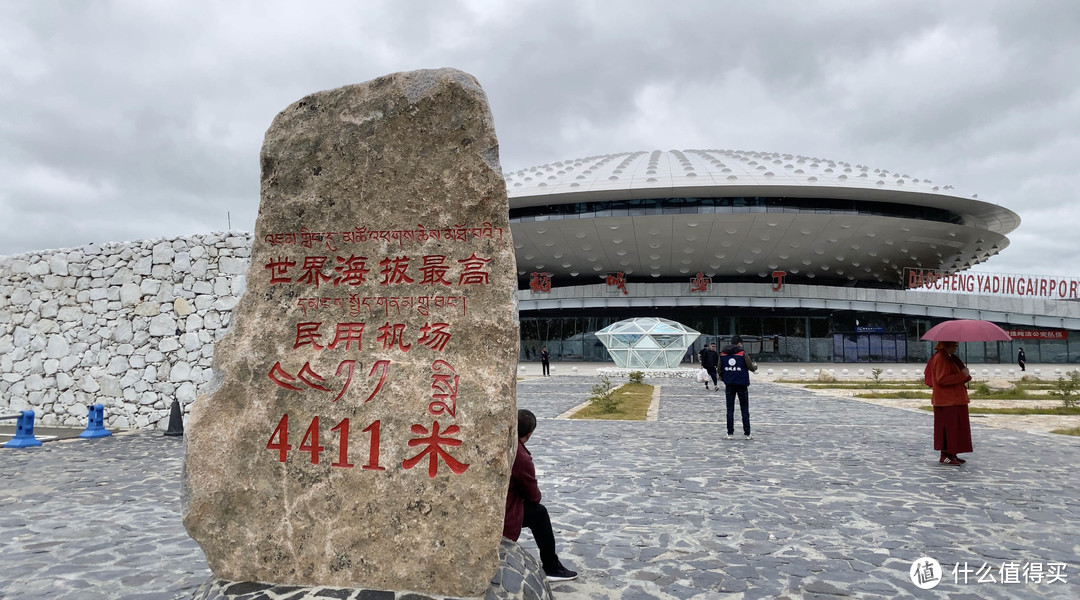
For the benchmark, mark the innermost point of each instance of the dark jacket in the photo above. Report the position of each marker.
(733, 371)
(523, 489)
(736, 365)
(751, 364)
(709, 358)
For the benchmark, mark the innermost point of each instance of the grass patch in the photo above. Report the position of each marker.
(633, 401)
(850, 381)
(1020, 389)
(1074, 431)
(979, 393)
(1068, 390)
(853, 385)
(898, 394)
(1010, 394)
(1057, 410)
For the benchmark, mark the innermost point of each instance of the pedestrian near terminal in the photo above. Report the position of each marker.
(1021, 359)
(545, 361)
(710, 359)
(948, 376)
(735, 368)
(523, 508)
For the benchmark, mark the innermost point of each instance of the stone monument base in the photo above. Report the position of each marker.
(520, 577)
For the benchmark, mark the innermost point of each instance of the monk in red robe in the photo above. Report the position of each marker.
(947, 374)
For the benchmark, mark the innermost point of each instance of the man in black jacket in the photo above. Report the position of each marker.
(709, 360)
(737, 366)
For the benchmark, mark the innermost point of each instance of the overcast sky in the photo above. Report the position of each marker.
(141, 119)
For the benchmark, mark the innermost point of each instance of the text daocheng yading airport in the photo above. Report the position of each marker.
(1065, 288)
(808, 259)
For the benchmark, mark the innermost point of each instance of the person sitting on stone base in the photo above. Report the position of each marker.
(523, 508)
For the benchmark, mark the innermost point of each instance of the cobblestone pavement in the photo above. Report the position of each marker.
(92, 519)
(833, 498)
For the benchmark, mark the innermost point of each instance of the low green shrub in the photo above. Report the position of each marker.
(1068, 389)
(601, 396)
(875, 375)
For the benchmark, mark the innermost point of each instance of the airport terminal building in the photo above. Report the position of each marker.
(808, 259)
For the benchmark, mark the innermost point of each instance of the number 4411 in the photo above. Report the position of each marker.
(279, 440)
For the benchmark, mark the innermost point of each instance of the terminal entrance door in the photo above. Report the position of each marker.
(869, 347)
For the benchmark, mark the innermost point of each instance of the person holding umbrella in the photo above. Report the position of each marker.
(947, 375)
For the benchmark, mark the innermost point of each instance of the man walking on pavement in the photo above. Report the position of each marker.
(735, 371)
(709, 361)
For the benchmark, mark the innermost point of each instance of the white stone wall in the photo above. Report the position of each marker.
(127, 325)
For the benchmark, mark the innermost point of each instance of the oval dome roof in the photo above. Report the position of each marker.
(714, 173)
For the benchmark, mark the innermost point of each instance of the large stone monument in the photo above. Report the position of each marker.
(360, 427)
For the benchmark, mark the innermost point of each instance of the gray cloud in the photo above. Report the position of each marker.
(125, 120)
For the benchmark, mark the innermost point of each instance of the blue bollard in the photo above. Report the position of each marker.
(24, 432)
(96, 426)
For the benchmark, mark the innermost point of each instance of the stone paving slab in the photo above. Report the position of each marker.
(833, 499)
(88, 519)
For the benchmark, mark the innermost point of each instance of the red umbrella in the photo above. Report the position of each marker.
(966, 330)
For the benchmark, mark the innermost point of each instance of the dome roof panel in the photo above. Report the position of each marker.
(798, 235)
(724, 169)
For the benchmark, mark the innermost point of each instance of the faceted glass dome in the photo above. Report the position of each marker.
(647, 342)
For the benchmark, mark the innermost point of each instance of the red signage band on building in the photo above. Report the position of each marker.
(1040, 286)
(700, 283)
(618, 281)
(540, 283)
(1031, 334)
(778, 280)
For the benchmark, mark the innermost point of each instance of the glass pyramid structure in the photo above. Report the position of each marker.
(647, 342)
